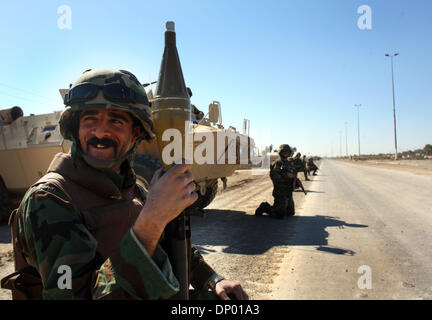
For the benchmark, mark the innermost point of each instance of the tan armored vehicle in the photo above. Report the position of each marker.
(28, 144)
(219, 164)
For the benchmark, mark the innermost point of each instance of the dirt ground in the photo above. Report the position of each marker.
(6, 258)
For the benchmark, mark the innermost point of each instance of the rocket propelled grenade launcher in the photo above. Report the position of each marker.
(171, 109)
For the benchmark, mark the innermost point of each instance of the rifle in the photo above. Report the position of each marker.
(299, 184)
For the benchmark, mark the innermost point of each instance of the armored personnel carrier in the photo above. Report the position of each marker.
(29, 143)
(219, 166)
(27, 146)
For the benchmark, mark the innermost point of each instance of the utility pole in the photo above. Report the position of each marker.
(394, 108)
(358, 126)
(346, 139)
(340, 143)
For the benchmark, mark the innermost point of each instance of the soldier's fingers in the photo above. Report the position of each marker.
(238, 292)
(156, 176)
(191, 187)
(245, 295)
(193, 196)
(188, 177)
(181, 168)
(223, 295)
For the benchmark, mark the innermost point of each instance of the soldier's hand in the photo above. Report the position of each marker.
(172, 192)
(226, 289)
(168, 196)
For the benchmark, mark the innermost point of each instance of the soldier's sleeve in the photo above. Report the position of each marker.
(53, 235)
(276, 172)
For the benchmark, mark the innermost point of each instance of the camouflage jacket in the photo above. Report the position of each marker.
(311, 165)
(279, 170)
(52, 232)
(299, 164)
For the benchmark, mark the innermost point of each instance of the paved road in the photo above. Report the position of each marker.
(365, 233)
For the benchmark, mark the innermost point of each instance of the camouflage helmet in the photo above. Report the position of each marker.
(138, 108)
(284, 147)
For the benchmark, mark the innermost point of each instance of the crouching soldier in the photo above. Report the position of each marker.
(311, 166)
(283, 176)
(300, 165)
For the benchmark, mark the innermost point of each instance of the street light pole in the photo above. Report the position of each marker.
(394, 108)
(346, 139)
(358, 126)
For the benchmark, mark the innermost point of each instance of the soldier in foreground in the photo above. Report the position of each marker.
(88, 213)
(283, 176)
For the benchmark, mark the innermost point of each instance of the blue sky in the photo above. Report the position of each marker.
(295, 69)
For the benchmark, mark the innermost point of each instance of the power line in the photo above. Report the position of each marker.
(23, 91)
(27, 99)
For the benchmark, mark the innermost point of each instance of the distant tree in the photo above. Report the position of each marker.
(428, 149)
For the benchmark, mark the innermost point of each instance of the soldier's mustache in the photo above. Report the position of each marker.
(102, 143)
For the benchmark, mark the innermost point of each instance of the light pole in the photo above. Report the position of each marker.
(358, 126)
(346, 139)
(394, 108)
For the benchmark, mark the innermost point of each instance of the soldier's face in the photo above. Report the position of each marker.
(284, 154)
(106, 134)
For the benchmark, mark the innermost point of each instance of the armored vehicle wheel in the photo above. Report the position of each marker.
(4, 201)
(204, 200)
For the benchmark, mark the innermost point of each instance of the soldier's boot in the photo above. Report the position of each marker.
(291, 208)
(305, 174)
(264, 207)
(277, 212)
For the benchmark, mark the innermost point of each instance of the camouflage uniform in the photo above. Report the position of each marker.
(300, 165)
(283, 188)
(82, 217)
(311, 166)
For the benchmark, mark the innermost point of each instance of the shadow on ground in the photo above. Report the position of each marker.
(241, 233)
(5, 234)
(309, 191)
